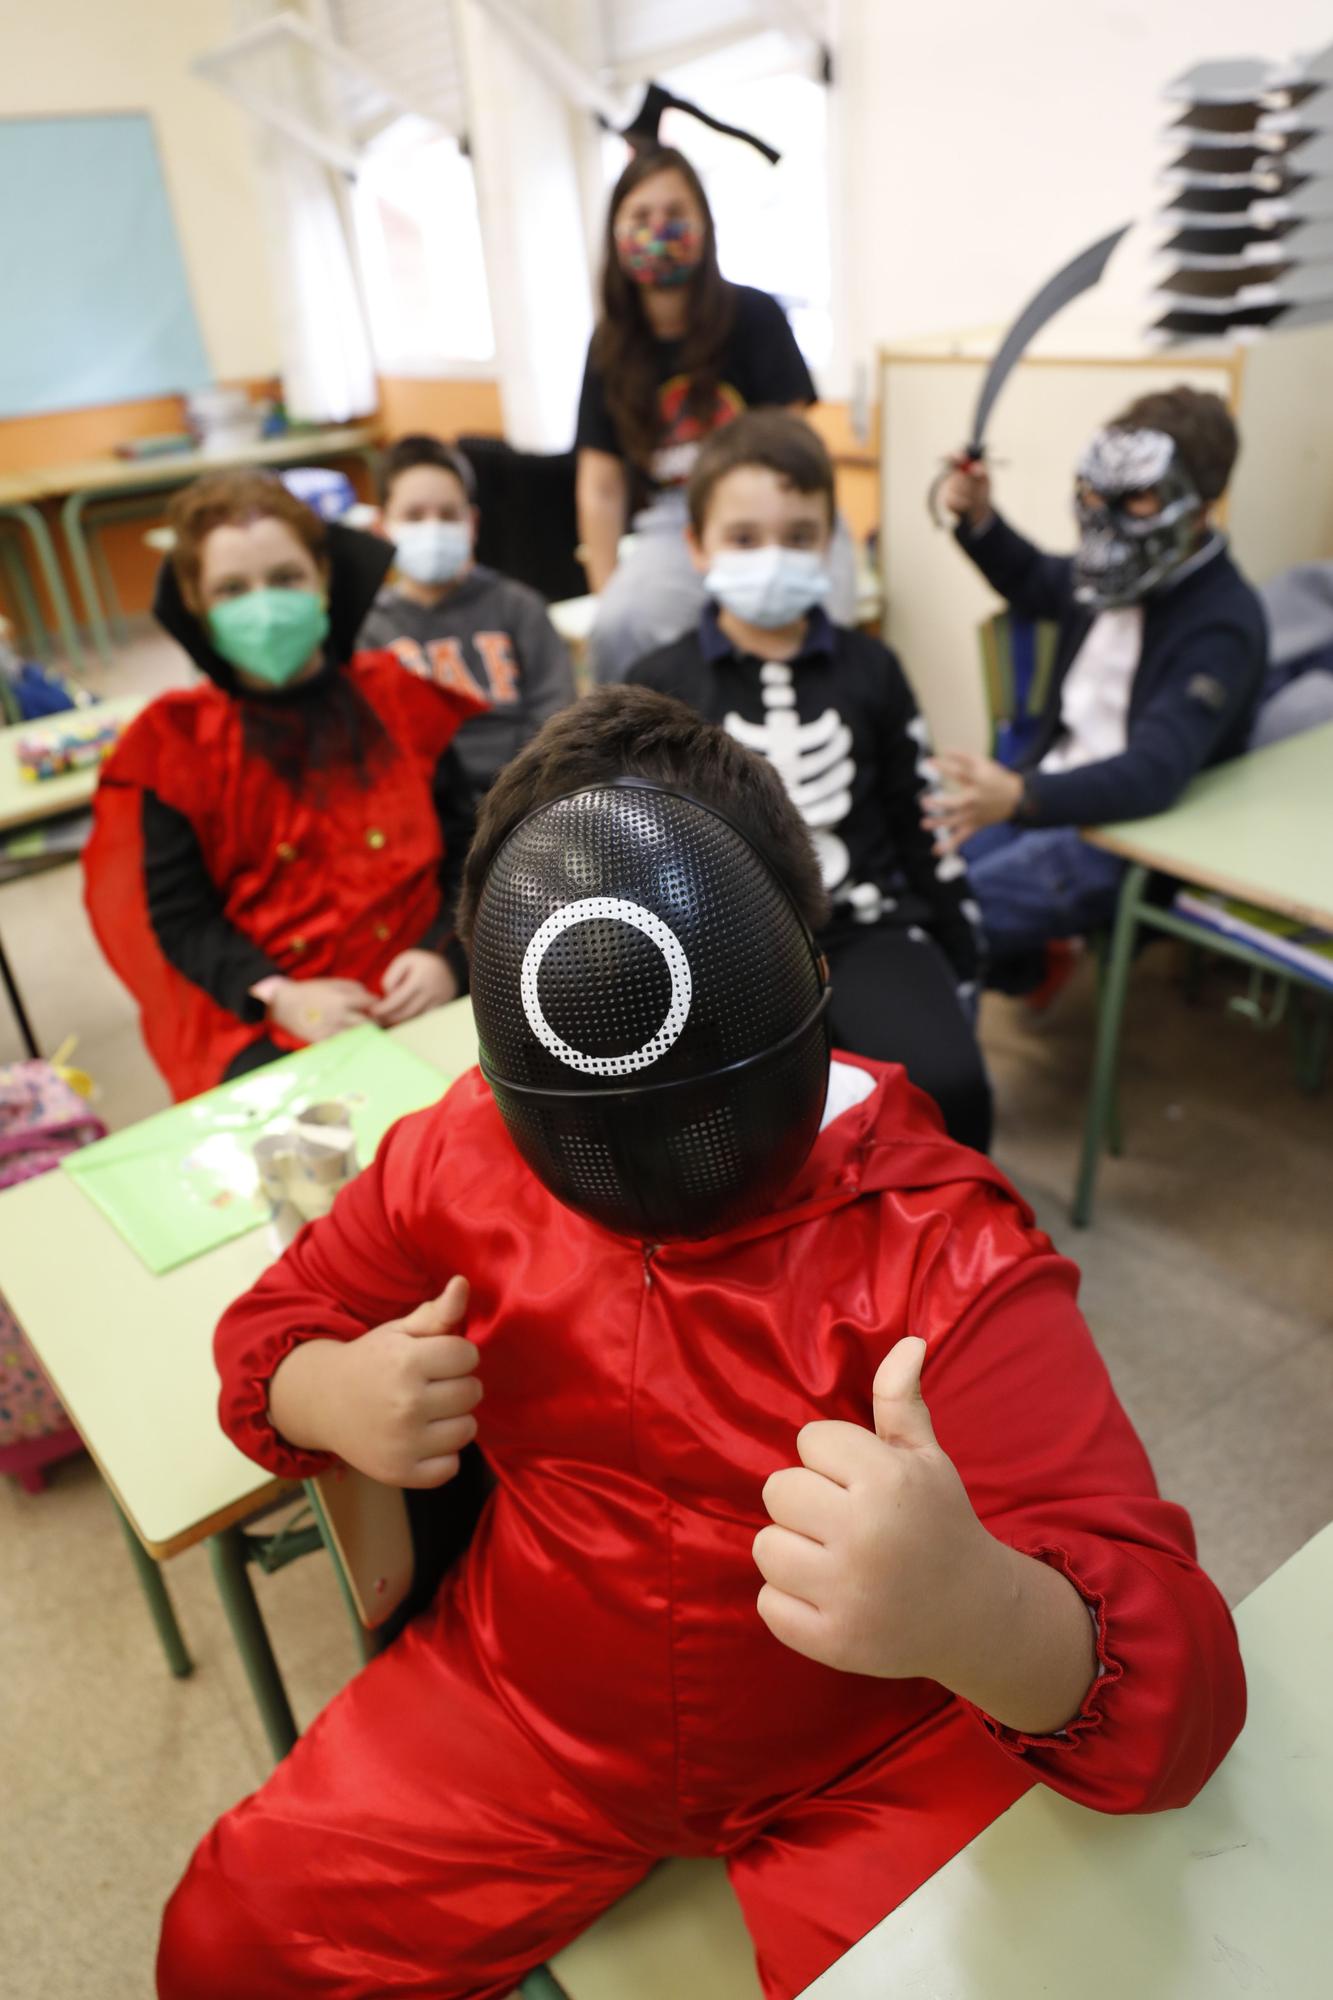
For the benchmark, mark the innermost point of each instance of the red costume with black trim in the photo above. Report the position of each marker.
(593, 1688)
(332, 880)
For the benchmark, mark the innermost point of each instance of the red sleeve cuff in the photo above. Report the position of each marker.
(1090, 1718)
(243, 1409)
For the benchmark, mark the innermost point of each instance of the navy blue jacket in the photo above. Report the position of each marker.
(1192, 699)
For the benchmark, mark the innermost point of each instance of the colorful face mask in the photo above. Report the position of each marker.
(433, 552)
(270, 634)
(663, 257)
(769, 587)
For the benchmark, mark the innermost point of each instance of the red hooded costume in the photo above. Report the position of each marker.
(331, 874)
(593, 1688)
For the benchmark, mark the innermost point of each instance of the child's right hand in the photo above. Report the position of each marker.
(310, 1010)
(396, 1403)
(966, 494)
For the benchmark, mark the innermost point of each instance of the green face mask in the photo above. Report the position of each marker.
(269, 633)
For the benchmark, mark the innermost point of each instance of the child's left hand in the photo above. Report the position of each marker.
(876, 1563)
(974, 792)
(413, 982)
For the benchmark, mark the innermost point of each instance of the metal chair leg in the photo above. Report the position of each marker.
(160, 1606)
(35, 637)
(542, 1985)
(1115, 1134)
(16, 1006)
(44, 549)
(227, 1553)
(1109, 1018)
(106, 586)
(1311, 1032)
(71, 521)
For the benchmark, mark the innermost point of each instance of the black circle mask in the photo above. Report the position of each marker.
(651, 1011)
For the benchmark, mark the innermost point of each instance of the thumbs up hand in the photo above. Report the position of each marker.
(875, 1562)
(396, 1403)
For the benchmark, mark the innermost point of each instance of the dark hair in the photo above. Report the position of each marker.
(420, 449)
(775, 439)
(223, 499)
(1201, 426)
(633, 732)
(624, 348)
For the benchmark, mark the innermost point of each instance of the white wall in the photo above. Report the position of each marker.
(134, 55)
(985, 141)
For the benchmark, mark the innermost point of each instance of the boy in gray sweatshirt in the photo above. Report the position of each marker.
(453, 621)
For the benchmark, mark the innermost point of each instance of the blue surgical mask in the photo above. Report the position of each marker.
(771, 587)
(433, 552)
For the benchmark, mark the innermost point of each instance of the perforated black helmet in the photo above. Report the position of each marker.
(651, 1009)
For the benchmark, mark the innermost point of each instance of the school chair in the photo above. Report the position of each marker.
(31, 632)
(680, 1931)
(529, 523)
(1017, 661)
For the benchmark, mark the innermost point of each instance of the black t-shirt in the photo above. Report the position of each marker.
(762, 367)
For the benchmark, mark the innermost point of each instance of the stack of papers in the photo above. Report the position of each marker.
(1283, 939)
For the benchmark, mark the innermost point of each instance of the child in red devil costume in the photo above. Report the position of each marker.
(275, 854)
(817, 1534)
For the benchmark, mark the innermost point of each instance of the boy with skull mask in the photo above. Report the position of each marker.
(1160, 658)
(689, 1250)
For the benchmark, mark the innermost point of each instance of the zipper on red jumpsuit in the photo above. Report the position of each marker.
(649, 1252)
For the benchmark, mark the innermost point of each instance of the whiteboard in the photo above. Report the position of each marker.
(97, 304)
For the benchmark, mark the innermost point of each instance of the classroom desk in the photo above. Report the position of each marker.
(1259, 828)
(78, 485)
(1228, 1896)
(82, 482)
(131, 1358)
(25, 802)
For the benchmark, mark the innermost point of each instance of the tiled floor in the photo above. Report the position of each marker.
(1206, 1280)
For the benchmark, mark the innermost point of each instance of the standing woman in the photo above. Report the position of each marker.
(677, 353)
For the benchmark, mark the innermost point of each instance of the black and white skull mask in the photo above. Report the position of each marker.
(1122, 556)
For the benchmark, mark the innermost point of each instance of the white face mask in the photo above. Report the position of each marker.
(769, 587)
(433, 551)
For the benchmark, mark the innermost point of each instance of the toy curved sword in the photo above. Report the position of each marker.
(1079, 275)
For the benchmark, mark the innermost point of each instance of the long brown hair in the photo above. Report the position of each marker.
(624, 348)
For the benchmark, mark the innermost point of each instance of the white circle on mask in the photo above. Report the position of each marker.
(618, 910)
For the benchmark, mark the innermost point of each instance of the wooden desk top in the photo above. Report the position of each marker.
(131, 1355)
(1229, 1896)
(1260, 828)
(111, 474)
(28, 801)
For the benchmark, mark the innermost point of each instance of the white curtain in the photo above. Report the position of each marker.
(524, 135)
(327, 362)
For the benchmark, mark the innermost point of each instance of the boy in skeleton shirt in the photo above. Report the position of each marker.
(1161, 654)
(831, 710)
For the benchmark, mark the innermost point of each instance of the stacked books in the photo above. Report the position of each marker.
(1285, 940)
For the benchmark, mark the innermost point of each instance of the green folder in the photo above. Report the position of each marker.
(185, 1181)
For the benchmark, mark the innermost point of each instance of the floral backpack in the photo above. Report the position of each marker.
(42, 1117)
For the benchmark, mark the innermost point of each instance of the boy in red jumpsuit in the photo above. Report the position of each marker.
(752, 1580)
